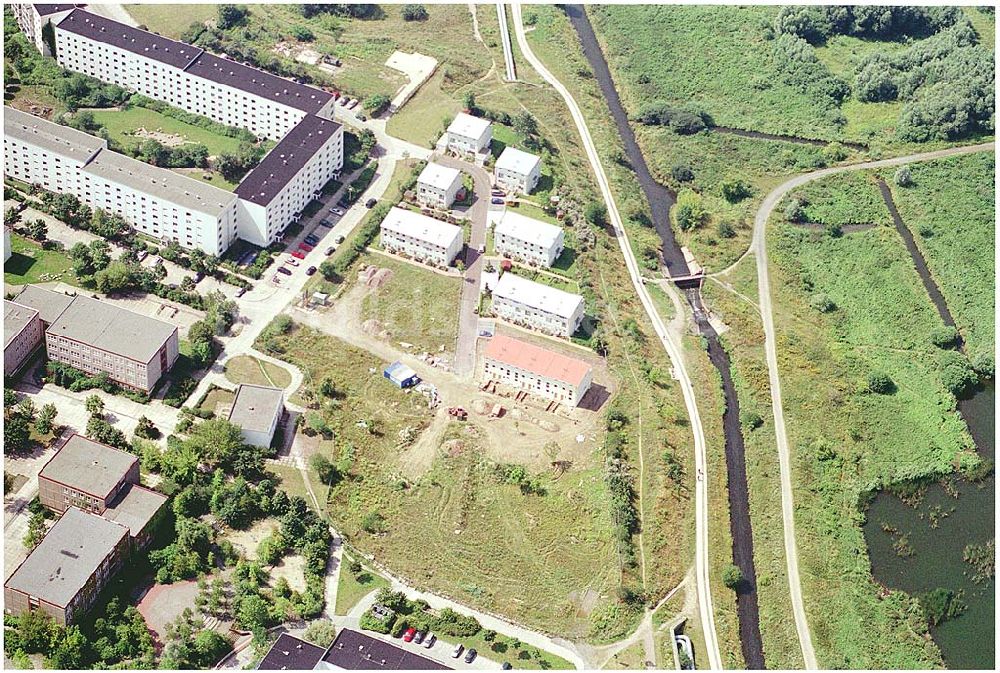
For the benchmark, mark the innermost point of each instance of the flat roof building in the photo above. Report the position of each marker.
(517, 171)
(527, 239)
(289, 653)
(469, 135)
(530, 304)
(69, 568)
(49, 304)
(537, 370)
(257, 411)
(438, 185)
(23, 333)
(423, 238)
(353, 650)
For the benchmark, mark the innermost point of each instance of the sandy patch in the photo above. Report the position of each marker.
(166, 139)
(292, 568)
(248, 540)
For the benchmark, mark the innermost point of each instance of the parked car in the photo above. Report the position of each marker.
(198, 277)
(496, 192)
(240, 292)
(496, 202)
(336, 211)
(292, 261)
(482, 249)
(344, 100)
(370, 203)
(410, 633)
(506, 666)
(305, 246)
(329, 251)
(298, 254)
(430, 640)
(470, 655)
(311, 270)
(343, 202)
(419, 637)
(353, 103)
(338, 240)
(325, 223)
(142, 255)
(457, 652)
(311, 239)
(285, 270)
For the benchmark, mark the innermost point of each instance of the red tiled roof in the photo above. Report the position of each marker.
(536, 360)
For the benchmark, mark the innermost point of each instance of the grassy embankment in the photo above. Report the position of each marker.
(248, 369)
(846, 440)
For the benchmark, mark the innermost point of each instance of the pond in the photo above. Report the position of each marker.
(920, 548)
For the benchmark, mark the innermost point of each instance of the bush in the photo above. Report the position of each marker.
(414, 13)
(725, 229)
(880, 383)
(689, 211)
(302, 34)
(795, 211)
(596, 214)
(945, 337)
(682, 173)
(957, 374)
(732, 577)
(822, 303)
(750, 420)
(376, 104)
(735, 190)
(984, 365)
(904, 177)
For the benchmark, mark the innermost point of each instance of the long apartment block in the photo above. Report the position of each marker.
(156, 201)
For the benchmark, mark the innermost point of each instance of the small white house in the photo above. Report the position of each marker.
(420, 237)
(537, 370)
(469, 135)
(517, 171)
(530, 304)
(257, 411)
(527, 240)
(438, 185)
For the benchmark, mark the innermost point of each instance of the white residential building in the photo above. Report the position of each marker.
(438, 185)
(517, 171)
(530, 304)
(156, 201)
(421, 237)
(536, 370)
(23, 332)
(469, 135)
(292, 174)
(186, 76)
(527, 239)
(35, 20)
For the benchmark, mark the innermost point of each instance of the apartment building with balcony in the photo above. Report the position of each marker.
(527, 240)
(438, 186)
(469, 135)
(538, 371)
(517, 171)
(537, 306)
(423, 238)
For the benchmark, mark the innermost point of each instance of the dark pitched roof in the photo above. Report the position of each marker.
(292, 654)
(287, 158)
(45, 10)
(356, 651)
(125, 37)
(264, 84)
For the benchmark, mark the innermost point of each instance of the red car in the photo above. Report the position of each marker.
(298, 254)
(305, 246)
(408, 636)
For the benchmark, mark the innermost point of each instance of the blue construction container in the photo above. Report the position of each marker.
(401, 375)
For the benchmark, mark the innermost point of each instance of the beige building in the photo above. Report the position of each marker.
(438, 185)
(257, 410)
(64, 574)
(23, 333)
(536, 370)
(96, 337)
(517, 171)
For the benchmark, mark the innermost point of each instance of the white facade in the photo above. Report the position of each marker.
(438, 185)
(420, 237)
(536, 370)
(32, 20)
(156, 201)
(530, 304)
(23, 332)
(185, 76)
(527, 239)
(469, 135)
(517, 171)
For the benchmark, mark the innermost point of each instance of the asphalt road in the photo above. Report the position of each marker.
(759, 249)
(673, 349)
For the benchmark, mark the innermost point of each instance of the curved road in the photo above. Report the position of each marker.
(673, 349)
(758, 248)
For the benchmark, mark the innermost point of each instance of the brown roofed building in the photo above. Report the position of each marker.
(537, 370)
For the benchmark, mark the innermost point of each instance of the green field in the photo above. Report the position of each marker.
(122, 124)
(416, 305)
(30, 264)
(171, 20)
(852, 197)
(950, 211)
(351, 588)
(248, 369)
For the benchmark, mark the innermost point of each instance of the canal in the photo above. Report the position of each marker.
(921, 546)
(660, 201)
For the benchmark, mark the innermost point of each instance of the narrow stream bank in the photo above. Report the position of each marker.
(661, 200)
(921, 547)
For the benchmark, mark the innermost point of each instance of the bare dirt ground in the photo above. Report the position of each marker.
(164, 603)
(247, 540)
(166, 139)
(292, 569)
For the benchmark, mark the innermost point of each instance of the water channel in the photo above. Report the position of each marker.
(660, 200)
(950, 516)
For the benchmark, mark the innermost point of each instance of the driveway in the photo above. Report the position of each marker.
(468, 325)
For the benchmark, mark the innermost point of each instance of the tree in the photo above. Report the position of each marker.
(253, 612)
(146, 429)
(525, 124)
(94, 405)
(46, 419)
(732, 576)
(469, 101)
(945, 337)
(735, 190)
(795, 211)
(36, 530)
(689, 211)
(903, 177)
(70, 651)
(325, 470)
(414, 13)
(596, 214)
(880, 383)
(376, 104)
(230, 16)
(16, 433)
(209, 646)
(38, 230)
(215, 441)
(320, 632)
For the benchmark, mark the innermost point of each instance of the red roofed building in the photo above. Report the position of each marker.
(537, 370)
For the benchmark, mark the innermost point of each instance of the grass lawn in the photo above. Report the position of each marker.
(950, 211)
(351, 588)
(215, 397)
(28, 95)
(248, 369)
(171, 20)
(121, 125)
(416, 305)
(848, 198)
(30, 264)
